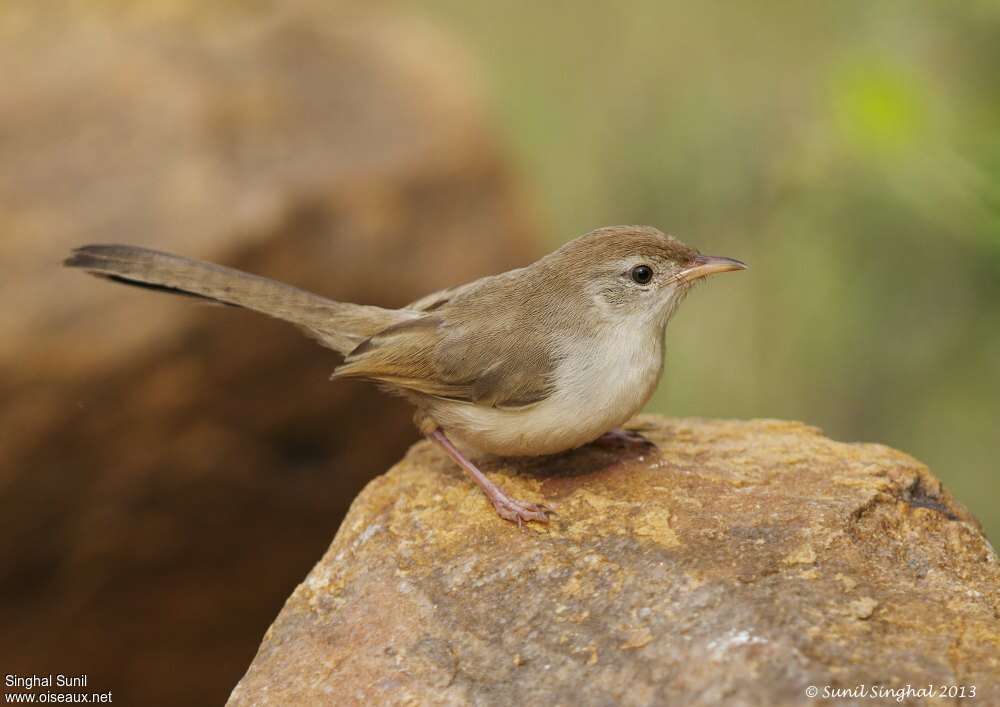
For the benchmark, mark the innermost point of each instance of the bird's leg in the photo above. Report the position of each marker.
(622, 439)
(508, 508)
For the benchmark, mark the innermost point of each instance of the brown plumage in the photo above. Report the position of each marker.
(471, 345)
(531, 361)
(338, 325)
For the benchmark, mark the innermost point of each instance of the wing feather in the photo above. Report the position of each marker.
(431, 356)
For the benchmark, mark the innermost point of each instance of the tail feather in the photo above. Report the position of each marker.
(338, 325)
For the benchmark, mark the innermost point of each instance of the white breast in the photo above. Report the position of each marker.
(601, 382)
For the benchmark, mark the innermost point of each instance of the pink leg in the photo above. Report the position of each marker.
(507, 507)
(622, 439)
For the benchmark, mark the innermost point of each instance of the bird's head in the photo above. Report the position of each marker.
(636, 272)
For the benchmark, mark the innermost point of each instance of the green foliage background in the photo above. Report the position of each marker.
(849, 151)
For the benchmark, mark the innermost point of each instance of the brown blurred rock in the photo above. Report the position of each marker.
(738, 564)
(168, 471)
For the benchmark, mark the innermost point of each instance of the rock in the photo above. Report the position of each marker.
(738, 563)
(169, 471)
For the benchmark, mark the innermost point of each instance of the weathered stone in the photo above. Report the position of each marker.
(169, 471)
(738, 563)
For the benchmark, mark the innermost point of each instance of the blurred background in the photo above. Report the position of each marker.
(169, 472)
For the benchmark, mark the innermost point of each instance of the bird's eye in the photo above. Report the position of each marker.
(642, 274)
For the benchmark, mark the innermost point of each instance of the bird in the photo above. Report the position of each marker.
(534, 361)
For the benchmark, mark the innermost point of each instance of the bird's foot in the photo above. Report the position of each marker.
(623, 439)
(520, 511)
(506, 507)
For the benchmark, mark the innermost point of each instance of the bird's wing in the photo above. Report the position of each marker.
(443, 356)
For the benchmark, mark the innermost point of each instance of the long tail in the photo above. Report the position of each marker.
(338, 325)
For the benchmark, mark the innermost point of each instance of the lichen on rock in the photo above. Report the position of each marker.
(738, 562)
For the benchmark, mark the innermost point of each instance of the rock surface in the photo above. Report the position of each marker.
(738, 563)
(155, 454)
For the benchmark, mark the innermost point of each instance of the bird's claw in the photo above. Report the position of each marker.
(623, 439)
(521, 511)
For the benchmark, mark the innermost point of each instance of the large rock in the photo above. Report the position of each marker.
(168, 472)
(739, 563)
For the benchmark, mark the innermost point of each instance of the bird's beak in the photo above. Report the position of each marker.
(703, 265)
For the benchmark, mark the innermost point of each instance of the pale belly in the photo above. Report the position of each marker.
(605, 387)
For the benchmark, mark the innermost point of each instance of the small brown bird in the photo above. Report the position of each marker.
(533, 361)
